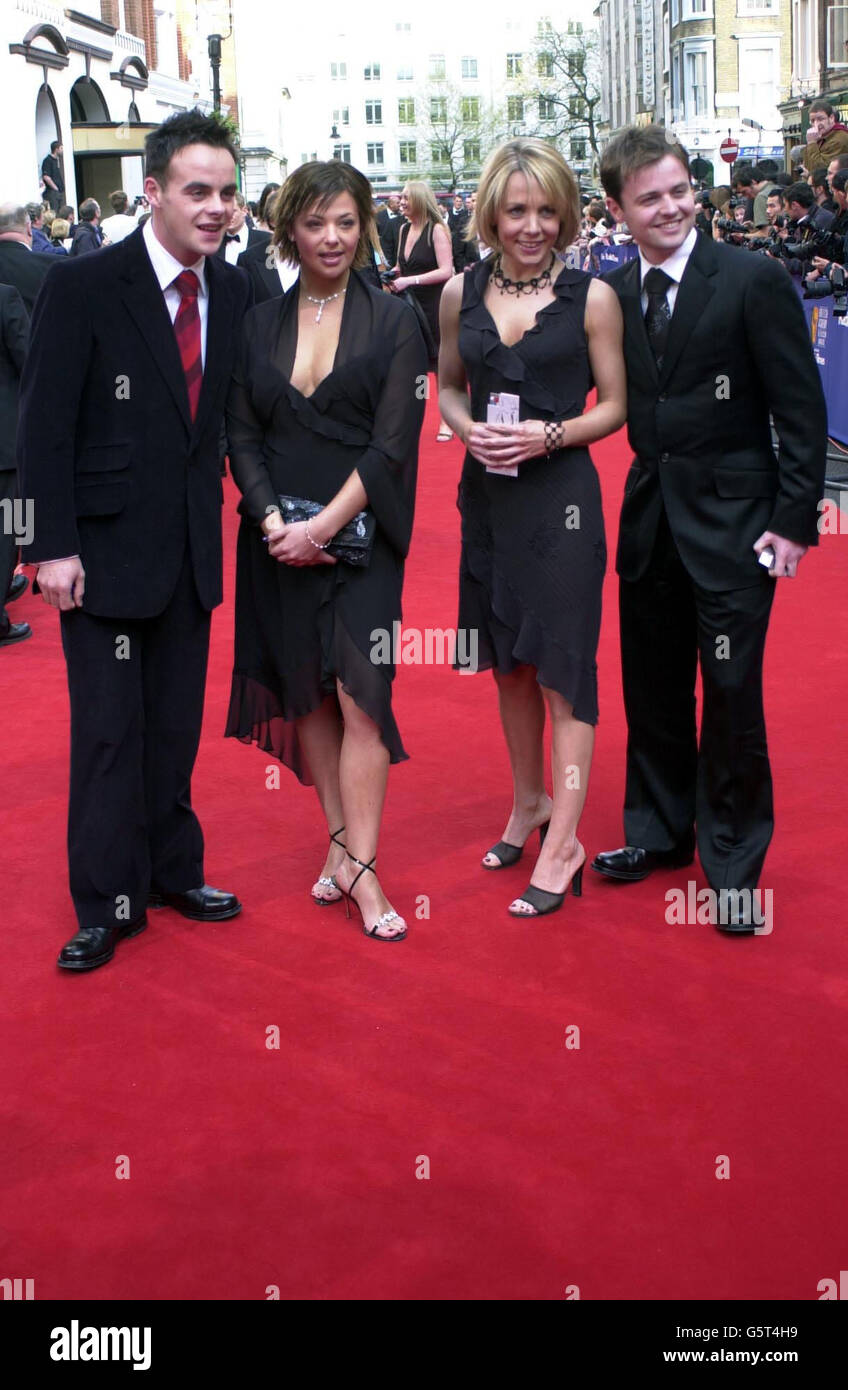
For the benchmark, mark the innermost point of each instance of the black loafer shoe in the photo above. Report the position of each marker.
(18, 632)
(737, 926)
(93, 946)
(18, 586)
(630, 864)
(200, 904)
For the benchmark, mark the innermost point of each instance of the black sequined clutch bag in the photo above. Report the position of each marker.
(352, 543)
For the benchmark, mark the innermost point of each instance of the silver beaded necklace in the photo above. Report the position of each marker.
(321, 302)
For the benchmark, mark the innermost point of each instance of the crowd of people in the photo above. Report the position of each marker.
(290, 338)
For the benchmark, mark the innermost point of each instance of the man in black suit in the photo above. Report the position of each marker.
(19, 264)
(133, 350)
(715, 341)
(389, 223)
(87, 235)
(14, 328)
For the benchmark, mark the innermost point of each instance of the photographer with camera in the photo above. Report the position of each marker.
(809, 230)
(828, 275)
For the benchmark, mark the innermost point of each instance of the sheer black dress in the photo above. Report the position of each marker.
(298, 628)
(421, 260)
(533, 548)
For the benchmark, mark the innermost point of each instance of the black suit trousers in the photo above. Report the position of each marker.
(8, 543)
(722, 786)
(136, 689)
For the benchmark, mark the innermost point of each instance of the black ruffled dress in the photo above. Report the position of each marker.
(299, 628)
(533, 547)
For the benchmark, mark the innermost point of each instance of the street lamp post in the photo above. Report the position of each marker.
(214, 47)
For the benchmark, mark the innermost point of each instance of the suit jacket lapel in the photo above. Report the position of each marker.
(635, 332)
(146, 305)
(694, 294)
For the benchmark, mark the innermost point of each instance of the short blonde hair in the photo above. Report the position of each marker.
(317, 183)
(60, 228)
(538, 160)
(422, 201)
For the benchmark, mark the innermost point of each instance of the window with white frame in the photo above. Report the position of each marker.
(513, 64)
(696, 83)
(342, 152)
(803, 40)
(515, 108)
(338, 72)
(837, 36)
(547, 111)
(468, 67)
(746, 8)
(471, 152)
(373, 113)
(341, 115)
(438, 108)
(405, 72)
(759, 76)
(406, 111)
(372, 72)
(374, 153)
(440, 155)
(407, 151)
(696, 9)
(470, 108)
(437, 67)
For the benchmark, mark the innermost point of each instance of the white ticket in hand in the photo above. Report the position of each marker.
(503, 409)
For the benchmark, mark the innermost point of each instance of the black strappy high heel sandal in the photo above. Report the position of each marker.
(385, 919)
(510, 854)
(329, 882)
(543, 902)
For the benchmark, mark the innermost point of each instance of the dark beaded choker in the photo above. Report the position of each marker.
(507, 286)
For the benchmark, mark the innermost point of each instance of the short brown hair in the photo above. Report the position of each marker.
(317, 183)
(636, 148)
(119, 201)
(536, 159)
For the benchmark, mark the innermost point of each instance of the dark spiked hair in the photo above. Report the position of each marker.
(185, 128)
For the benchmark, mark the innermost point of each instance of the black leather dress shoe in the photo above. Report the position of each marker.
(200, 904)
(93, 946)
(18, 586)
(17, 632)
(630, 864)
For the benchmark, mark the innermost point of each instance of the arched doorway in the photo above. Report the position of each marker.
(96, 175)
(47, 128)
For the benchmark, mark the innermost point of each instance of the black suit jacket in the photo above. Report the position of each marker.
(87, 238)
(388, 230)
(738, 349)
(264, 280)
(117, 471)
(14, 329)
(25, 269)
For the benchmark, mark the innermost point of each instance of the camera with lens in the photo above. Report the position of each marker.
(836, 285)
(824, 244)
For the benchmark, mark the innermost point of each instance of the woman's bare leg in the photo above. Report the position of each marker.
(522, 711)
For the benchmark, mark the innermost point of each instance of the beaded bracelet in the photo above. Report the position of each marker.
(315, 543)
(554, 435)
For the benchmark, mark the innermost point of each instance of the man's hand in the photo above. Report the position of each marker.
(787, 555)
(62, 583)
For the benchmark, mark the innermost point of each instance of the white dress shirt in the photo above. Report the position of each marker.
(233, 249)
(118, 226)
(673, 266)
(166, 268)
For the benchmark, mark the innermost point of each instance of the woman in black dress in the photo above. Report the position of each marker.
(533, 551)
(326, 406)
(424, 264)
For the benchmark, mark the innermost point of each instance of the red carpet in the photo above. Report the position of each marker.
(549, 1166)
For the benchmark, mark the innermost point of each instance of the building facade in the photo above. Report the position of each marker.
(96, 77)
(373, 94)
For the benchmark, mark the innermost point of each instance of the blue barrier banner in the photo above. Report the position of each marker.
(829, 337)
(602, 259)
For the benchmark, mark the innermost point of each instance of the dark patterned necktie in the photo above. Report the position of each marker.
(658, 314)
(187, 329)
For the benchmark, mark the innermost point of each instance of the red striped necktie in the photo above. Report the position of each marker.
(187, 329)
